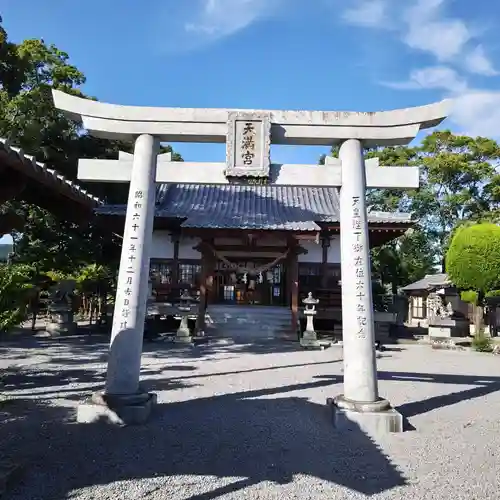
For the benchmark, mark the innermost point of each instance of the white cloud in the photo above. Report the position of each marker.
(476, 61)
(443, 39)
(477, 112)
(195, 24)
(368, 13)
(446, 38)
(430, 31)
(424, 26)
(433, 77)
(221, 18)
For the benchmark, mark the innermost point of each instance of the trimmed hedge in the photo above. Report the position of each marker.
(473, 258)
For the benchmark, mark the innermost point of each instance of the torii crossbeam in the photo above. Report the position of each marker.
(170, 172)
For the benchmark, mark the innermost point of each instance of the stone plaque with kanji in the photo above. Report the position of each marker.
(248, 145)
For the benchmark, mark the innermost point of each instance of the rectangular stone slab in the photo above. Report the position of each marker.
(372, 423)
(91, 412)
(283, 175)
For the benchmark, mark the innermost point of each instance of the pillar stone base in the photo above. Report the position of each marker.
(183, 337)
(309, 340)
(122, 410)
(375, 419)
(61, 323)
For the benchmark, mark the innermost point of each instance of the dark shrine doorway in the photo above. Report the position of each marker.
(250, 282)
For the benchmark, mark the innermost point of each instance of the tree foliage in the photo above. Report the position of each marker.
(49, 245)
(403, 261)
(28, 73)
(473, 258)
(458, 184)
(16, 285)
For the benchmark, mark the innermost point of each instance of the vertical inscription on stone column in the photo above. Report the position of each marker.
(359, 269)
(131, 273)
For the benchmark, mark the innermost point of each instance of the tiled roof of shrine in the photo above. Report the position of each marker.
(271, 207)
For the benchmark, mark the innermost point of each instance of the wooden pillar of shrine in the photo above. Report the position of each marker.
(325, 243)
(293, 286)
(206, 283)
(175, 263)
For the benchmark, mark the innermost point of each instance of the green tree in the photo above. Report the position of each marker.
(16, 285)
(403, 261)
(457, 176)
(473, 262)
(28, 73)
(458, 183)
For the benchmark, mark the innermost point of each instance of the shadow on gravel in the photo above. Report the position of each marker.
(212, 346)
(484, 386)
(228, 436)
(83, 349)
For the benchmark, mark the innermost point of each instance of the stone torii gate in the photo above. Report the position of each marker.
(248, 135)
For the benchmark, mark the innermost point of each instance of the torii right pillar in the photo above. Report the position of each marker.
(360, 404)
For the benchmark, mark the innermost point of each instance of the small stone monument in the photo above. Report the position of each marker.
(60, 310)
(444, 322)
(185, 306)
(309, 339)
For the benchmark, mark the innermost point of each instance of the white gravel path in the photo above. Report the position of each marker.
(250, 422)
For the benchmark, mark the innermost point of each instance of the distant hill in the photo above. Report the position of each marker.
(5, 250)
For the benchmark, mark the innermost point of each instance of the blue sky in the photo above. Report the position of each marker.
(356, 55)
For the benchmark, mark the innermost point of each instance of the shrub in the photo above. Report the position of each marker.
(473, 258)
(469, 296)
(15, 289)
(482, 343)
(473, 262)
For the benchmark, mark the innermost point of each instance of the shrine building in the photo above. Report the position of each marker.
(252, 242)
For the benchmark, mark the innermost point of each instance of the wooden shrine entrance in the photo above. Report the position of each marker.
(243, 282)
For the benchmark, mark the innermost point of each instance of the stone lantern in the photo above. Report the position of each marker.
(309, 338)
(60, 309)
(185, 307)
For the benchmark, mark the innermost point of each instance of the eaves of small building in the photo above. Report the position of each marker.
(428, 283)
(22, 177)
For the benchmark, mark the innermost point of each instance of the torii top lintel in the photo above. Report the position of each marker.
(382, 128)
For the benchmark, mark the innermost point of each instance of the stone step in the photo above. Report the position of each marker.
(248, 328)
(249, 322)
(260, 312)
(248, 314)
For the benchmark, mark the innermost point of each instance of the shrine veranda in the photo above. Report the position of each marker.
(248, 231)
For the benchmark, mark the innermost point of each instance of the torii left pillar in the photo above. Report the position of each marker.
(123, 401)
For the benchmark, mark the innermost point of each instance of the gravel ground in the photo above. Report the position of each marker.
(240, 421)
